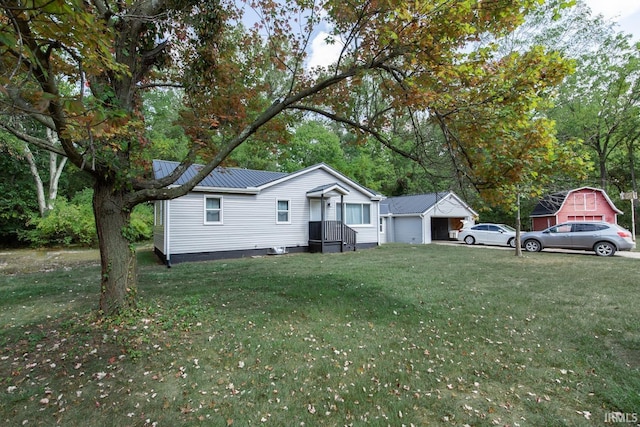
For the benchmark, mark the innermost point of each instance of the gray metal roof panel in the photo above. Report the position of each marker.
(326, 187)
(221, 177)
(414, 204)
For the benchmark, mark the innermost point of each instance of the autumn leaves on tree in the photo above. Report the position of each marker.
(242, 67)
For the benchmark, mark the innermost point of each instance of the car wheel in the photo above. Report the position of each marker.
(604, 249)
(512, 242)
(532, 246)
(469, 240)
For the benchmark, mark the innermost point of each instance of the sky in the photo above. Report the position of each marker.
(625, 12)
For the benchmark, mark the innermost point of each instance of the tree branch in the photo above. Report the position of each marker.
(37, 142)
(377, 135)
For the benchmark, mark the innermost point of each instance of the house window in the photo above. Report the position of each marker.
(213, 210)
(283, 212)
(584, 202)
(158, 212)
(355, 213)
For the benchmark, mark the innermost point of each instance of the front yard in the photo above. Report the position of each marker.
(398, 335)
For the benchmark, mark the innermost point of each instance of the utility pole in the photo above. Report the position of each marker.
(631, 196)
(518, 225)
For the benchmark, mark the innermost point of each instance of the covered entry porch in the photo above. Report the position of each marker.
(327, 230)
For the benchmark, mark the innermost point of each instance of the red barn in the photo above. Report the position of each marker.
(581, 204)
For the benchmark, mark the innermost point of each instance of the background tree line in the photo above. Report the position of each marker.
(46, 203)
(597, 105)
(494, 100)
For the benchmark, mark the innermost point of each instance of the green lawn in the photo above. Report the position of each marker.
(397, 335)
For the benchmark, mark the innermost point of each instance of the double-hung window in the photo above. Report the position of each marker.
(283, 212)
(212, 210)
(585, 202)
(355, 213)
(158, 212)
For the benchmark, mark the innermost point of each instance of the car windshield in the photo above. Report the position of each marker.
(507, 227)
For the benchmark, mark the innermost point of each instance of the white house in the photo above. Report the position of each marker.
(423, 218)
(237, 212)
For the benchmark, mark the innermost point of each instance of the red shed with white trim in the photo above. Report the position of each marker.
(581, 204)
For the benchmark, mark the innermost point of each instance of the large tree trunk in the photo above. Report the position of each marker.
(117, 255)
(603, 172)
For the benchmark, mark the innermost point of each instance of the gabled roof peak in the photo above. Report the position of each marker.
(237, 179)
(552, 203)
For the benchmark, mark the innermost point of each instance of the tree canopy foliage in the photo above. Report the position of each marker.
(245, 81)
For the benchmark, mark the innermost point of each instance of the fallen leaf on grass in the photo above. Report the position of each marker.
(585, 414)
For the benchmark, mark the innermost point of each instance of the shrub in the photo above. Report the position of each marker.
(72, 223)
(68, 223)
(141, 227)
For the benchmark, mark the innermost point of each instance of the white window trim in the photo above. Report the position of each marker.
(205, 210)
(363, 204)
(158, 213)
(580, 202)
(288, 221)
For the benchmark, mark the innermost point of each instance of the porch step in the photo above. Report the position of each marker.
(315, 246)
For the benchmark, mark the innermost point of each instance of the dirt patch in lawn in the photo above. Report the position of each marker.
(626, 349)
(17, 261)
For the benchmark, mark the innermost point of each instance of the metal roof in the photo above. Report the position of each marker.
(221, 177)
(415, 204)
(549, 204)
(328, 189)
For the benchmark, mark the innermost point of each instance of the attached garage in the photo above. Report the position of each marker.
(424, 218)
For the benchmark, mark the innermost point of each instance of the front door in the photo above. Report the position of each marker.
(383, 229)
(315, 210)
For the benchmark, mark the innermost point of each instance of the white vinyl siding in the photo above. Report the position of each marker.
(283, 214)
(249, 218)
(212, 210)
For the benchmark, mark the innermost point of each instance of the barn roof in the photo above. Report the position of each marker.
(549, 204)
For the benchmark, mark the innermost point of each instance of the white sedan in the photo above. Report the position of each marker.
(488, 234)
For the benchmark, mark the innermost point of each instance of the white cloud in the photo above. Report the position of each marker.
(323, 53)
(614, 9)
(625, 12)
